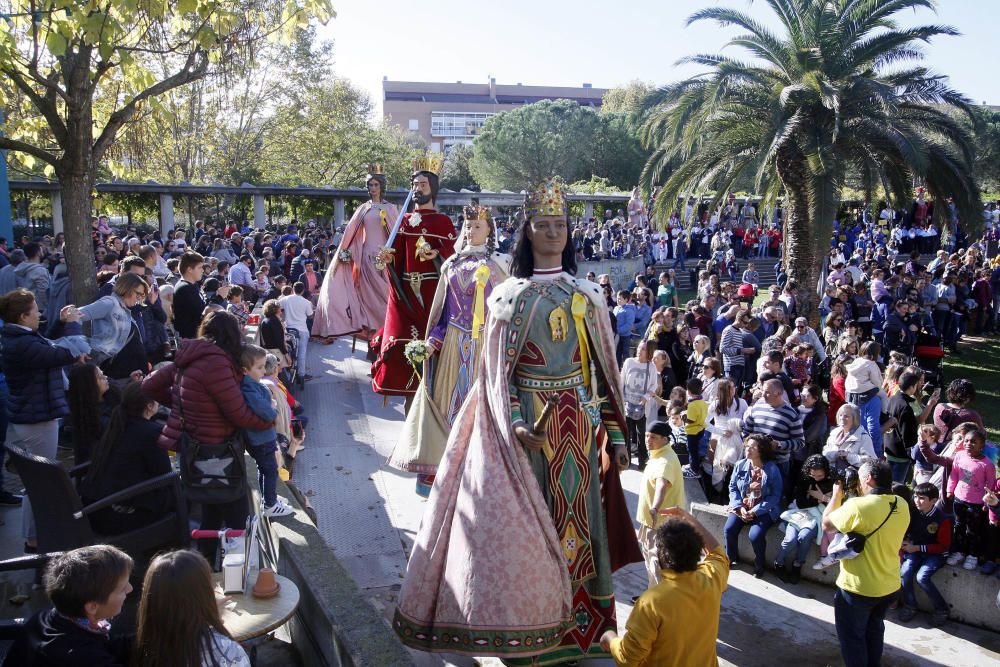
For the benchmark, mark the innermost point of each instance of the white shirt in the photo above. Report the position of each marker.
(297, 309)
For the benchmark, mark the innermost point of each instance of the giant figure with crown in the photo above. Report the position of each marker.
(352, 299)
(527, 519)
(413, 264)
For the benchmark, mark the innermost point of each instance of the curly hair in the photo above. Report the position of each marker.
(678, 546)
(961, 392)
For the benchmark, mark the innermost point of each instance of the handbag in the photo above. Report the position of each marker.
(210, 474)
(846, 546)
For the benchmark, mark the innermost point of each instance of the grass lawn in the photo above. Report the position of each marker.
(980, 364)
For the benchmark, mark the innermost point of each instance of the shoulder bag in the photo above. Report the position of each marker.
(846, 546)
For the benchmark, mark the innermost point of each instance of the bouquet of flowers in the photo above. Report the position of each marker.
(344, 257)
(417, 352)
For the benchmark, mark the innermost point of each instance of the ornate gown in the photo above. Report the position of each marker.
(456, 332)
(354, 294)
(412, 285)
(515, 554)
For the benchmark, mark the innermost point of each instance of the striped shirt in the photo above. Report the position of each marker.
(783, 424)
(731, 346)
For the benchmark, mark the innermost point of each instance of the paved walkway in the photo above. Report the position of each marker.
(369, 514)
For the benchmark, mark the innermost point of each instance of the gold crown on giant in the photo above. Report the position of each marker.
(478, 213)
(376, 169)
(546, 199)
(432, 162)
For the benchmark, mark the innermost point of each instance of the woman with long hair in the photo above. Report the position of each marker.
(203, 383)
(754, 499)
(127, 454)
(711, 373)
(91, 401)
(179, 622)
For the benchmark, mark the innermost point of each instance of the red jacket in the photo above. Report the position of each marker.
(210, 392)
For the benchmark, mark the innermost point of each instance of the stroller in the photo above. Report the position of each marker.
(928, 353)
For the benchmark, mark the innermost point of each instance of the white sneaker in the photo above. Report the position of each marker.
(278, 509)
(955, 558)
(824, 562)
(971, 563)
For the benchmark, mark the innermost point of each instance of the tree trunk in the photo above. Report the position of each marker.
(806, 239)
(76, 207)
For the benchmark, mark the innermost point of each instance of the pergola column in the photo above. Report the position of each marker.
(57, 216)
(259, 219)
(166, 214)
(338, 211)
(588, 211)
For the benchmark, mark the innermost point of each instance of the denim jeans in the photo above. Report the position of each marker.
(921, 566)
(694, 450)
(801, 538)
(900, 471)
(758, 538)
(870, 413)
(637, 438)
(860, 624)
(267, 471)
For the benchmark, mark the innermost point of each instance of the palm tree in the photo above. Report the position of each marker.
(837, 93)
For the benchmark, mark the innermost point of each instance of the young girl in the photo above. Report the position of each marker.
(179, 622)
(813, 488)
(971, 473)
(928, 436)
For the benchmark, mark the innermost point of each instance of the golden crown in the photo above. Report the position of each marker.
(375, 169)
(478, 213)
(432, 162)
(546, 199)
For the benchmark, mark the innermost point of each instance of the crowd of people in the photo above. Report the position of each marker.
(785, 422)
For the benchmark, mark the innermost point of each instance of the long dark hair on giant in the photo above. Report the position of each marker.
(177, 613)
(523, 264)
(84, 398)
(223, 329)
(132, 406)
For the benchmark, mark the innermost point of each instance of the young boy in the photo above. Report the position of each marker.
(694, 420)
(262, 444)
(927, 540)
(236, 305)
(625, 314)
(928, 436)
(661, 487)
(87, 587)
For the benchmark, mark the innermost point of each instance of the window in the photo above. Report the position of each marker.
(436, 147)
(457, 124)
(415, 124)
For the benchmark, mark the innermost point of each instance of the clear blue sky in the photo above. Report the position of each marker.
(602, 43)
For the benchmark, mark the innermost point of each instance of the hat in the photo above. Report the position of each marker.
(660, 428)
(801, 320)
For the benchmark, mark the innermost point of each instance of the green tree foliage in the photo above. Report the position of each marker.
(83, 70)
(458, 169)
(987, 132)
(627, 99)
(835, 92)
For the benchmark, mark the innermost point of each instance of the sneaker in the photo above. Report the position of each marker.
(824, 562)
(690, 473)
(939, 618)
(956, 558)
(906, 614)
(971, 563)
(278, 509)
(988, 568)
(8, 499)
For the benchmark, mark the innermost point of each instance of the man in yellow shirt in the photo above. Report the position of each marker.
(662, 486)
(868, 583)
(676, 623)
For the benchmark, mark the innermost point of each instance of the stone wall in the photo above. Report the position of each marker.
(622, 271)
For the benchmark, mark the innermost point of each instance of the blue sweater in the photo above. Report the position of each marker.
(258, 399)
(626, 319)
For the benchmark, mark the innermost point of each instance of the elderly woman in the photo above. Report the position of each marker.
(849, 444)
(754, 499)
(34, 368)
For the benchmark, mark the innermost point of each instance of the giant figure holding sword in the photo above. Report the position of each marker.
(412, 259)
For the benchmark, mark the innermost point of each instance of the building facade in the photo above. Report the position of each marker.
(447, 114)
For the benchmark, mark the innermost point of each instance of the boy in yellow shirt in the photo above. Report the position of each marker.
(662, 486)
(694, 420)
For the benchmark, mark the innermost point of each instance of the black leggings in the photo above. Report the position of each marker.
(213, 517)
(970, 529)
(637, 437)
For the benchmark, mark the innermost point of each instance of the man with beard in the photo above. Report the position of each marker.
(425, 239)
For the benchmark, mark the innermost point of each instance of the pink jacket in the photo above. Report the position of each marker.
(971, 477)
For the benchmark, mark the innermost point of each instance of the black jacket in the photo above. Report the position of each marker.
(903, 435)
(34, 369)
(188, 306)
(272, 334)
(52, 640)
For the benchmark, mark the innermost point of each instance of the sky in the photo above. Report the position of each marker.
(606, 44)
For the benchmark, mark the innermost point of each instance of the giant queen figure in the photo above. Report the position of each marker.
(527, 520)
(413, 264)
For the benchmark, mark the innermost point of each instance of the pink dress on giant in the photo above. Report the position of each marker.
(354, 293)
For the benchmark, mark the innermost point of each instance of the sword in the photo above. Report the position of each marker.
(399, 220)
